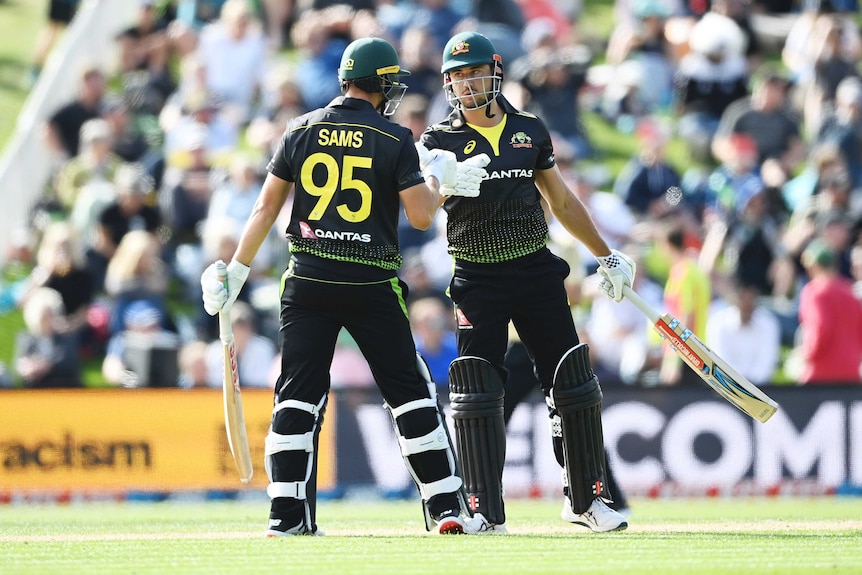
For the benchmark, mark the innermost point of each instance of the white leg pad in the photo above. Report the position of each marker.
(435, 440)
(295, 404)
(276, 442)
(446, 485)
(294, 489)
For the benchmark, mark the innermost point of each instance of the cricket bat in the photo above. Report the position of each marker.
(234, 419)
(706, 363)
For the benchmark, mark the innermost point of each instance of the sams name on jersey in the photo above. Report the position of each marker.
(340, 138)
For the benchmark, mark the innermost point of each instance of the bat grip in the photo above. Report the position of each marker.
(225, 333)
(639, 303)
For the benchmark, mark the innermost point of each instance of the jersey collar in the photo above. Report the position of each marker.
(352, 103)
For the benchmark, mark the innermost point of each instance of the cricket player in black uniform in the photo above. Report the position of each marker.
(505, 272)
(349, 170)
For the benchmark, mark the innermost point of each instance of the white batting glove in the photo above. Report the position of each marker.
(469, 178)
(219, 295)
(617, 270)
(438, 163)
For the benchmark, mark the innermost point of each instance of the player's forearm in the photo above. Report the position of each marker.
(263, 216)
(577, 221)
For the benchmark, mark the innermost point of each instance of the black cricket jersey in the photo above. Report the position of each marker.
(505, 221)
(348, 164)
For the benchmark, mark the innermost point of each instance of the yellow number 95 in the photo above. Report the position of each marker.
(334, 173)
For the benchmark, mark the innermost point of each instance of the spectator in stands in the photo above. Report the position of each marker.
(687, 296)
(551, 77)
(434, 334)
(144, 52)
(60, 14)
(823, 158)
(137, 273)
(419, 53)
(235, 53)
(713, 75)
(818, 35)
(831, 66)
(130, 143)
(198, 117)
(321, 36)
(745, 334)
(830, 322)
(644, 42)
(198, 13)
(740, 11)
(644, 181)
(843, 126)
(46, 357)
(129, 361)
(60, 266)
(745, 246)
(18, 264)
(833, 197)
(255, 353)
(282, 102)
(194, 372)
(95, 162)
(726, 184)
(63, 128)
(764, 117)
(128, 212)
(186, 191)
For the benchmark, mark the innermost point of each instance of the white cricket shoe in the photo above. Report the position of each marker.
(463, 525)
(480, 526)
(275, 530)
(599, 517)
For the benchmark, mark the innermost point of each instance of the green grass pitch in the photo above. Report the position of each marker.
(714, 536)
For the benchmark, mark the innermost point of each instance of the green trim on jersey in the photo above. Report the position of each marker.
(384, 257)
(396, 287)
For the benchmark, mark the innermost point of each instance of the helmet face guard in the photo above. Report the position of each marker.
(393, 89)
(475, 92)
(371, 64)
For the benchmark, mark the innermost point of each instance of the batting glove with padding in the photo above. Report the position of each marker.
(618, 270)
(469, 177)
(218, 294)
(438, 163)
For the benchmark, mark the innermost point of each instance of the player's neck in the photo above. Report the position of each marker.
(479, 117)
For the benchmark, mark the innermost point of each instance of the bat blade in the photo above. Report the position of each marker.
(234, 417)
(711, 368)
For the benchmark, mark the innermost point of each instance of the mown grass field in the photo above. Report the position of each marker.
(709, 536)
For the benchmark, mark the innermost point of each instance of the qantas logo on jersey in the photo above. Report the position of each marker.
(508, 174)
(313, 234)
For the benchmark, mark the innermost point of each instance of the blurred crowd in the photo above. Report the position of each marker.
(755, 243)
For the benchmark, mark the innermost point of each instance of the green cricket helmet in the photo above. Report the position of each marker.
(371, 64)
(471, 49)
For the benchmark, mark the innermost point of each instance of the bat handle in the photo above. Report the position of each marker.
(639, 303)
(224, 327)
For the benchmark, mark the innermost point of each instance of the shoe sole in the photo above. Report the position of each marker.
(621, 527)
(451, 527)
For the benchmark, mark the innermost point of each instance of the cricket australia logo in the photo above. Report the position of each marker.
(348, 64)
(460, 47)
(521, 140)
